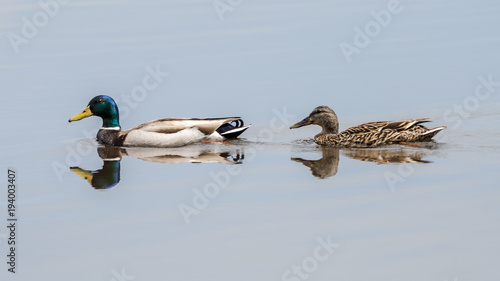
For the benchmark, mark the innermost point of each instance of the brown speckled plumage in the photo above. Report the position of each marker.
(369, 134)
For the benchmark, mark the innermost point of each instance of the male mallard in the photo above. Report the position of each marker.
(366, 135)
(109, 175)
(170, 132)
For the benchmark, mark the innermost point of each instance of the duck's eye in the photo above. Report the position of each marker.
(100, 101)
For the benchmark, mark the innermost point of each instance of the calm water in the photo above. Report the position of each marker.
(271, 205)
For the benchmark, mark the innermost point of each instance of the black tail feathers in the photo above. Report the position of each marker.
(232, 129)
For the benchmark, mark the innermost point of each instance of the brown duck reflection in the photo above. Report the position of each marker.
(328, 165)
(109, 175)
(325, 167)
(386, 156)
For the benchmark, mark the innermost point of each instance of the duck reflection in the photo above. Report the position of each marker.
(387, 156)
(328, 165)
(325, 167)
(109, 175)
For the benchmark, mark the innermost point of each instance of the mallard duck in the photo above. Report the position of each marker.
(109, 175)
(369, 134)
(169, 132)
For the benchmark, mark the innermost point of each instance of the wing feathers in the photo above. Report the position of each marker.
(379, 126)
(173, 125)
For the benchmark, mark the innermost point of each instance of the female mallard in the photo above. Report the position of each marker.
(170, 132)
(366, 135)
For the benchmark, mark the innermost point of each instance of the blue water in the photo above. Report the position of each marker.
(394, 213)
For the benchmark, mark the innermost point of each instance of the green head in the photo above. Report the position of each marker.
(102, 106)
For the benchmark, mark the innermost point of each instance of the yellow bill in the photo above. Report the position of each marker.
(86, 175)
(84, 114)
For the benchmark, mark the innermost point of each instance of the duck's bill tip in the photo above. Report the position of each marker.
(302, 123)
(84, 114)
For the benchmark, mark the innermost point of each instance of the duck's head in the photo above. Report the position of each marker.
(323, 116)
(102, 106)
